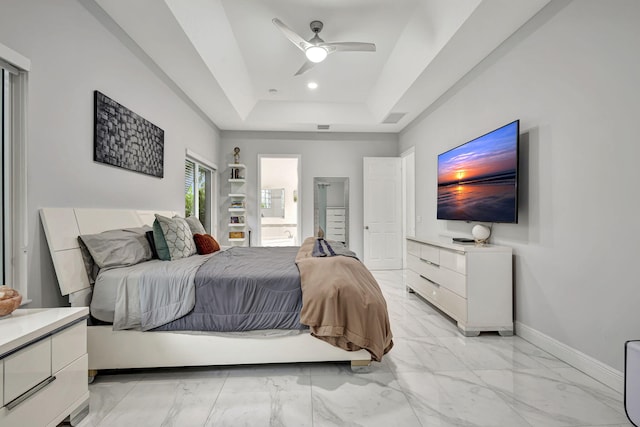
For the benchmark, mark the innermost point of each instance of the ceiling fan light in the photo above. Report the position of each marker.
(316, 53)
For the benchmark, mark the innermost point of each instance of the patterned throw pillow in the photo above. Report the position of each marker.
(206, 244)
(195, 225)
(177, 236)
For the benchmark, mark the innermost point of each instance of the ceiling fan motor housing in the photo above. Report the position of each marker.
(316, 26)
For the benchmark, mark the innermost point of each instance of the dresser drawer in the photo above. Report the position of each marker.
(339, 236)
(444, 277)
(26, 369)
(430, 253)
(335, 212)
(422, 286)
(453, 261)
(68, 345)
(413, 248)
(452, 304)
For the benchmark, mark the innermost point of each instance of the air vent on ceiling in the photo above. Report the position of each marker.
(393, 118)
(324, 127)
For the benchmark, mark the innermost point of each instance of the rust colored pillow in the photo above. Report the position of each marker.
(206, 244)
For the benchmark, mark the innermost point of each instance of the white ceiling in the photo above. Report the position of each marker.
(226, 55)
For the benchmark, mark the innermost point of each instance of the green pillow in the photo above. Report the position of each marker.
(161, 244)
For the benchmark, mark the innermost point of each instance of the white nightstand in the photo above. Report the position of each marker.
(43, 366)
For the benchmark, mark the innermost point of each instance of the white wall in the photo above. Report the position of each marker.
(322, 154)
(571, 77)
(72, 54)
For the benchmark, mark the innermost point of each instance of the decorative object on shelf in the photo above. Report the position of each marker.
(480, 233)
(236, 234)
(236, 155)
(124, 139)
(10, 300)
(235, 173)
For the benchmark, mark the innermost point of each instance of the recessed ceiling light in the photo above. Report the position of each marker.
(312, 85)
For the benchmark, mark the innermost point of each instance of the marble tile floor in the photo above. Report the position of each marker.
(432, 377)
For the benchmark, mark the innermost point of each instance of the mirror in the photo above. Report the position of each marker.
(331, 207)
(272, 203)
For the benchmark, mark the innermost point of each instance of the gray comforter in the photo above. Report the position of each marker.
(244, 289)
(240, 289)
(152, 293)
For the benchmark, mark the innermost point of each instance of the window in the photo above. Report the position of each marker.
(13, 223)
(266, 199)
(198, 194)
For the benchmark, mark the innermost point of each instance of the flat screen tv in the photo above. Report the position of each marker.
(478, 180)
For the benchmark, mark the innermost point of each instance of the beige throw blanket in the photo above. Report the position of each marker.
(342, 303)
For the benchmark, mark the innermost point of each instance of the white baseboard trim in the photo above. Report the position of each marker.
(587, 364)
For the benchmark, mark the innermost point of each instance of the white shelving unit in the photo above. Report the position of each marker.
(237, 223)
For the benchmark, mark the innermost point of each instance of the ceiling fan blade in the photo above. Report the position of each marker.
(349, 47)
(305, 67)
(301, 43)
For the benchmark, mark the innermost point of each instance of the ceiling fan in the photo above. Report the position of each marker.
(316, 49)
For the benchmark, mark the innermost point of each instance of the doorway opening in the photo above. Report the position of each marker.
(279, 200)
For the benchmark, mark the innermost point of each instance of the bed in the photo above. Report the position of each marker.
(126, 349)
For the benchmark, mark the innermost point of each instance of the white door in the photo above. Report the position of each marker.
(382, 213)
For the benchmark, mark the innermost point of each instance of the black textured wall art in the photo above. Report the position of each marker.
(124, 139)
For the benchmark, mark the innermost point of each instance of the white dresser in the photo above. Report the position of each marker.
(472, 284)
(43, 367)
(336, 221)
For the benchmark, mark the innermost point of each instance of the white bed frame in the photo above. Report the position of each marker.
(109, 349)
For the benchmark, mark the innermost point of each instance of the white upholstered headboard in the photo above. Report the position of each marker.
(62, 226)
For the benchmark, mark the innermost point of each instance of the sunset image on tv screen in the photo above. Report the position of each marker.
(477, 181)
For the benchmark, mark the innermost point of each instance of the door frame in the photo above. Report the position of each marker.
(408, 203)
(258, 237)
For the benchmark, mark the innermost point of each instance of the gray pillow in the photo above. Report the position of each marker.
(177, 236)
(118, 248)
(195, 225)
(90, 266)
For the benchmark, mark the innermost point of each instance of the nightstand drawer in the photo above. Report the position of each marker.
(50, 406)
(26, 369)
(68, 345)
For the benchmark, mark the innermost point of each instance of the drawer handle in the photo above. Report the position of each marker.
(430, 262)
(27, 394)
(430, 281)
